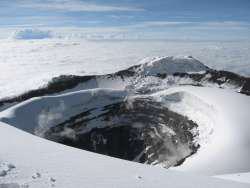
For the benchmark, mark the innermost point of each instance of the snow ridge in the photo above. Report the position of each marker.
(170, 65)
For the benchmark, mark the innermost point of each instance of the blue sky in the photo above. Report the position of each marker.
(210, 19)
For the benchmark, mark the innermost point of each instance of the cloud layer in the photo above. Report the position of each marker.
(158, 19)
(75, 6)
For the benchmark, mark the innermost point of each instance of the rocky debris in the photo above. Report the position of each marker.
(36, 175)
(3, 173)
(5, 168)
(219, 78)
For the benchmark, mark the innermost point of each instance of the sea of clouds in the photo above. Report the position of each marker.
(31, 57)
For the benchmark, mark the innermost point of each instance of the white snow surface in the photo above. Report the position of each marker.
(30, 161)
(223, 119)
(239, 177)
(170, 65)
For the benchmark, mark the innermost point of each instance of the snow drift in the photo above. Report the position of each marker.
(29, 161)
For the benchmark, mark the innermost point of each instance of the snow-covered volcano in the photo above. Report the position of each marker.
(169, 111)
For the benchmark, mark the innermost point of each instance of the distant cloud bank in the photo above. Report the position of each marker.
(75, 6)
(139, 31)
(28, 34)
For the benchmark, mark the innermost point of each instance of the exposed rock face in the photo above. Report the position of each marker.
(139, 130)
(220, 79)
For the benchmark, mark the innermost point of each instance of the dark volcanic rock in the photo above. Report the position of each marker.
(219, 78)
(140, 130)
(246, 87)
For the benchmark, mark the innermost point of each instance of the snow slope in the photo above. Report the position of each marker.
(223, 119)
(48, 111)
(239, 177)
(29, 161)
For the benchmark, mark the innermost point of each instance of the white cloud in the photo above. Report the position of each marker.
(158, 24)
(74, 6)
(231, 24)
(154, 25)
(148, 30)
(222, 24)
